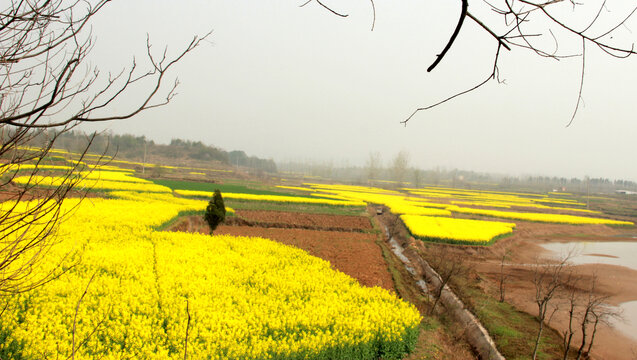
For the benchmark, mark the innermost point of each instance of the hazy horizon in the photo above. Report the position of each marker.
(297, 84)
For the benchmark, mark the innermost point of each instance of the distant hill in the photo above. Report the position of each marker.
(137, 147)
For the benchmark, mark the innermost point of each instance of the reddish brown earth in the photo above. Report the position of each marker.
(616, 282)
(355, 254)
(13, 192)
(315, 220)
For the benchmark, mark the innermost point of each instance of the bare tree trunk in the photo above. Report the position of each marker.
(436, 299)
(572, 281)
(568, 335)
(447, 268)
(590, 343)
(503, 276)
(547, 281)
(584, 326)
(539, 333)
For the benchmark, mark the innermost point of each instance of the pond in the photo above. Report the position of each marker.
(621, 253)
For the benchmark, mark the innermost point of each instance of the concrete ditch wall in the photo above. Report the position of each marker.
(475, 333)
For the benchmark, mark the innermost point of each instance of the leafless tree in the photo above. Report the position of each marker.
(602, 315)
(399, 167)
(572, 300)
(506, 254)
(417, 176)
(46, 89)
(543, 28)
(447, 267)
(595, 311)
(373, 165)
(547, 280)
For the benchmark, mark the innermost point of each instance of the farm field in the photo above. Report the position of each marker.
(318, 180)
(284, 245)
(311, 220)
(354, 253)
(145, 293)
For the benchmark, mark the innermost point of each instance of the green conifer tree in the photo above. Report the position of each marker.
(216, 211)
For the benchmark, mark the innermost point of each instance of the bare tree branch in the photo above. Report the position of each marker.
(493, 75)
(373, 14)
(456, 31)
(44, 93)
(187, 330)
(77, 309)
(581, 84)
(517, 13)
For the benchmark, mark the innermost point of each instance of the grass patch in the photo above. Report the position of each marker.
(181, 214)
(624, 205)
(292, 207)
(513, 331)
(229, 187)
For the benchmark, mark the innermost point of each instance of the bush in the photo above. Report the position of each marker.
(216, 211)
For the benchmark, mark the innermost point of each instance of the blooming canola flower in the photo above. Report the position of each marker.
(238, 297)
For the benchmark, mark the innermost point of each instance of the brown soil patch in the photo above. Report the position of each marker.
(355, 254)
(11, 192)
(303, 219)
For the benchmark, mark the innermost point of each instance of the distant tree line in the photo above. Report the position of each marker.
(135, 148)
(398, 170)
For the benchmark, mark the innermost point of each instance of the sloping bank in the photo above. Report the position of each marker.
(475, 333)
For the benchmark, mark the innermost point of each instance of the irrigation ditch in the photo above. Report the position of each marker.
(427, 278)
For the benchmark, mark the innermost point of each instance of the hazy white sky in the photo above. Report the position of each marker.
(291, 83)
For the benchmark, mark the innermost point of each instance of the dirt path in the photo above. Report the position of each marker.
(344, 222)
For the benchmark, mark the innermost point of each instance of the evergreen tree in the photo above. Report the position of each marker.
(216, 211)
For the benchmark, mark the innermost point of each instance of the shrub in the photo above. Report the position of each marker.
(216, 211)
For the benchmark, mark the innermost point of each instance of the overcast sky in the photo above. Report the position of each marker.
(300, 84)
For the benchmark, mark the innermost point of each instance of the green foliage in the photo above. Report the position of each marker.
(297, 207)
(513, 331)
(10, 348)
(227, 187)
(216, 211)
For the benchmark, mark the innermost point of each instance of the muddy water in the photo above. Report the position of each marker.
(619, 253)
(629, 325)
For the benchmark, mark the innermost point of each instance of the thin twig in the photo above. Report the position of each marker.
(491, 76)
(581, 84)
(331, 10)
(486, 28)
(77, 309)
(187, 329)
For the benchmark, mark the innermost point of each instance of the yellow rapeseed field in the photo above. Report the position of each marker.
(539, 217)
(97, 180)
(246, 298)
(464, 231)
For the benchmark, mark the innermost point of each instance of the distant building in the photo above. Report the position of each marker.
(625, 192)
